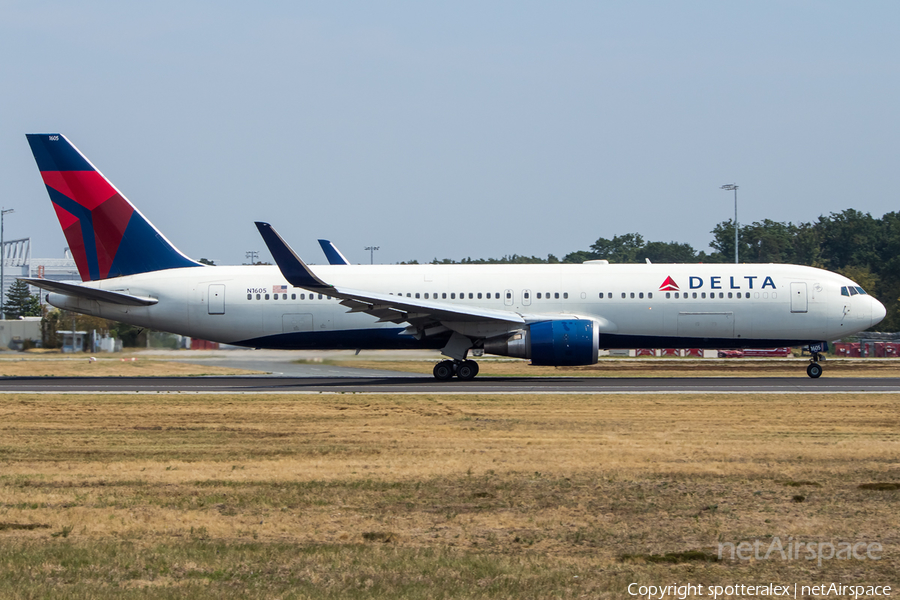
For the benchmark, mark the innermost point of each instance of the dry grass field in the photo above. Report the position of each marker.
(650, 367)
(493, 496)
(57, 366)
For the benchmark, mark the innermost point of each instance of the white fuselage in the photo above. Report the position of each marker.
(748, 304)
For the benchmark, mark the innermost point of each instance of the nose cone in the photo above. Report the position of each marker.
(878, 312)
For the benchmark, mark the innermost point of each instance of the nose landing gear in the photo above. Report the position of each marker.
(465, 370)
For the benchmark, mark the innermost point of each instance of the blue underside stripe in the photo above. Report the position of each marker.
(390, 339)
(367, 339)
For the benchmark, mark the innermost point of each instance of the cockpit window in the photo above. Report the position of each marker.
(860, 290)
(853, 291)
(844, 291)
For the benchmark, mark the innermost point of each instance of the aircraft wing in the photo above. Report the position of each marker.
(386, 307)
(90, 293)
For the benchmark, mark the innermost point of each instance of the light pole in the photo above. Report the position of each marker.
(3, 213)
(372, 250)
(730, 187)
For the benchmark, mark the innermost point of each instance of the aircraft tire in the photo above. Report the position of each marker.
(467, 370)
(443, 371)
(814, 370)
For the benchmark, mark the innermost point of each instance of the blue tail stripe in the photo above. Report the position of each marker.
(56, 154)
(145, 251)
(87, 228)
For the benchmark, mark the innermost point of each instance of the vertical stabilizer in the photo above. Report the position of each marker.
(107, 235)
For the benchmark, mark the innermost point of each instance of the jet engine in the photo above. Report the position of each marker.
(560, 343)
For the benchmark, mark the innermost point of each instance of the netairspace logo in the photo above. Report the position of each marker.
(683, 591)
(797, 550)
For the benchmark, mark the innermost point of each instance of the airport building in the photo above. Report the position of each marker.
(18, 262)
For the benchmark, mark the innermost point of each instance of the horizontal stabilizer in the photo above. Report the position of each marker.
(90, 293)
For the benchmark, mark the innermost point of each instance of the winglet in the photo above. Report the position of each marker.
(333, 255)
(292, 267)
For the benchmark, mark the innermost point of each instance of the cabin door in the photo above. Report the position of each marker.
(798, 297)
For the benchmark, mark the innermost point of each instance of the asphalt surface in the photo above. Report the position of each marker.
(403, 383)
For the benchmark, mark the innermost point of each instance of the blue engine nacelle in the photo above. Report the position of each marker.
(562, 343)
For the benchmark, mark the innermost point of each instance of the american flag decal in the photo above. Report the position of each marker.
(277, 289)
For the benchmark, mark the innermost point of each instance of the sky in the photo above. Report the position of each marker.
(453, 129)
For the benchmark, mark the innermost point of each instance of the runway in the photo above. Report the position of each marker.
(403, 384)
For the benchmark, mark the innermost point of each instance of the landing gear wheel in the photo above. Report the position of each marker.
(814, 370)
(443, 371)
(467, 370)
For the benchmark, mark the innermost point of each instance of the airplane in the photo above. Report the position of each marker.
(552, 314)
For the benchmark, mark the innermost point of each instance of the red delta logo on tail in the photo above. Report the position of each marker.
(669, 285)
(107, 235)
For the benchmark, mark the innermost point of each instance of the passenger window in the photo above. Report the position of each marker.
(649, 294)
(632, 294)
(293, 296)
(249, 296)
(694, 294)
(641, 295)
(556, 295)
(453, 296)
(417, 294)
(470, 295)
(676, 295)
(539, 295)
(509, 295)
(609, 295)
(565, 295)
(479, 295)
(721, 294)
(729, 294)
(257, 296)
(444, 295)
(274, 296)
(426, 295)
(320, 296)
(267, 296)
(668, 295)
(525, 295)
(284, 296)
(623, 294)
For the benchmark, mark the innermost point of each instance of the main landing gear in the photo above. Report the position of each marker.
(464, 370)
(814, 369)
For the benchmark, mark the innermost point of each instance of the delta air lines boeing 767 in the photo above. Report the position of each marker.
(559, 314)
